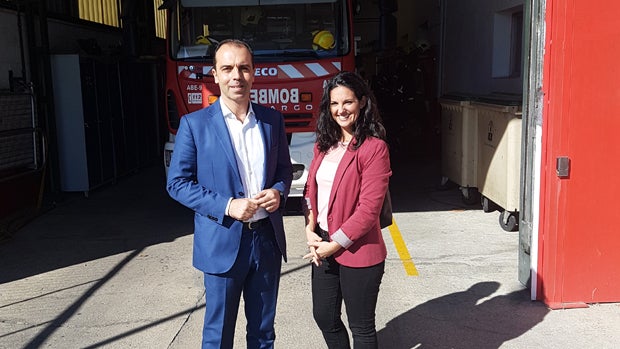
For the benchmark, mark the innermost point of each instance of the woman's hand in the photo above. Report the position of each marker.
(324, 249)
(312, 237)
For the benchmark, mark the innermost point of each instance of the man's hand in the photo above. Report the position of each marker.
(243, 209)
(269, 199)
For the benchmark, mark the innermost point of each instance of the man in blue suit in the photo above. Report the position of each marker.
(231, 165)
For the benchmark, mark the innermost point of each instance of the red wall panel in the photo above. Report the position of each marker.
(579, 238)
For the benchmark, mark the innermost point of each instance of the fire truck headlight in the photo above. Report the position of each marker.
(306, 97)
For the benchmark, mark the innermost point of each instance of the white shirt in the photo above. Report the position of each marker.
(249, 152)
(325, 180)
(325, 176)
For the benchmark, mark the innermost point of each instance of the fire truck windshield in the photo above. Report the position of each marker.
(289, 30)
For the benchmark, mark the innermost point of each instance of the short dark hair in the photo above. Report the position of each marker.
(234, 42)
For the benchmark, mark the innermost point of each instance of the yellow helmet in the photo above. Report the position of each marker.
(323, 40)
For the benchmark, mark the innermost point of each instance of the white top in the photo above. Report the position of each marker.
(325, 180)
(249, 152)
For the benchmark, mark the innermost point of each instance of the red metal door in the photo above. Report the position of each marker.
(579, 232)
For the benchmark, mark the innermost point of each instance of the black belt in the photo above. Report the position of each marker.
(322, 233)
(256, 224)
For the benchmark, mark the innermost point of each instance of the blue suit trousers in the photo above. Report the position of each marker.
(256, 275)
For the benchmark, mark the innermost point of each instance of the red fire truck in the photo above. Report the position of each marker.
(297, 44)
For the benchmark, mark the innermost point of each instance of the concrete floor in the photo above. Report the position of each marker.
(114, 271)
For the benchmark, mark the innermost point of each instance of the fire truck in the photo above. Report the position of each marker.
(298, 45)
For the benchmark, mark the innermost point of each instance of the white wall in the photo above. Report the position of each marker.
(467, 50)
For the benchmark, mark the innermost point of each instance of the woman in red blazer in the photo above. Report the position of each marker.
(347, 181)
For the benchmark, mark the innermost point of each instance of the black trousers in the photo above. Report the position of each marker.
(359, 288)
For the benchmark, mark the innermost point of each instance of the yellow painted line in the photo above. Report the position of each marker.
(401, 248)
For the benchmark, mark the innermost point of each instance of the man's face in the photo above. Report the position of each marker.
(234, 73)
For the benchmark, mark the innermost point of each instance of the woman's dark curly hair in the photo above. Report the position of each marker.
(368, 123)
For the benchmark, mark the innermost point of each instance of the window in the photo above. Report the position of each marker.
(286, 31)
(508, 43)
(100, 11)
(516, 44)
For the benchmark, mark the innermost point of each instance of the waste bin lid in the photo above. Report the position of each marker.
(500, 98)
(457, 96)
(508, 99)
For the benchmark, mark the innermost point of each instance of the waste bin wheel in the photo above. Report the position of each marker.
(488, 205)
(509, 221)
(470, 196)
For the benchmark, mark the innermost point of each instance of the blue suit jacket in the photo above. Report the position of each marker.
(203, 176)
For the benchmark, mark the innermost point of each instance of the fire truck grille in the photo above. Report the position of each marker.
(299, 122)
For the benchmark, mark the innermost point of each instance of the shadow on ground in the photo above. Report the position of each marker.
(130, 215)
(468, 319)
(136, 212)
